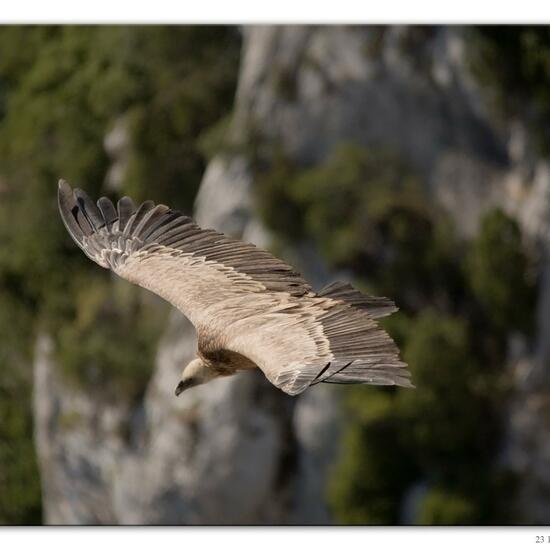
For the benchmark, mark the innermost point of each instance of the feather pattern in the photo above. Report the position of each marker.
(376, 306)
(245, 303)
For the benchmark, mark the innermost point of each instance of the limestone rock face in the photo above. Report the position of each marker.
(238, 450)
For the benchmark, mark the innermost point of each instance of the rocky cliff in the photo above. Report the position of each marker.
(237, 450)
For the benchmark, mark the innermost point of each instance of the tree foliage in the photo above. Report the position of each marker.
(62, 91)
(498, 274)
(512, 64)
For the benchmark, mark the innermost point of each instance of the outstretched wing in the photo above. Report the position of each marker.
(321, 340)
(240, 298)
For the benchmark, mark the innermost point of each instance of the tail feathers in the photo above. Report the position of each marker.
(376, 307)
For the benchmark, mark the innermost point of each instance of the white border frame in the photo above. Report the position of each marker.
(281, 11)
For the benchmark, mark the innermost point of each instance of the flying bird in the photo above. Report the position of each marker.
(250, 309)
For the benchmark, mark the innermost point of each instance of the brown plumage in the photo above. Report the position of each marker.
(250, 309)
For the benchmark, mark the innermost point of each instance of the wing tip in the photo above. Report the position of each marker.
(66, 202)
(63, 188)
(405, 382)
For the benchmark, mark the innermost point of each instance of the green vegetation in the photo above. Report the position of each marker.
(62, 90)
(441, 507)
(447, 432)
(497, 268)
(366, 212)
(512, 63)
(110, 344)
(19, 483)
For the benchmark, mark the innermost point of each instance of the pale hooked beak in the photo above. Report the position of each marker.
(183, 385)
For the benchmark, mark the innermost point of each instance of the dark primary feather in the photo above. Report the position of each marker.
(89, 209)
(376, 306)
(108, 212)
(125, 208)
(69, 209)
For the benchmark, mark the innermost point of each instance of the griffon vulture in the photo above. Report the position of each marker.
(250, 309)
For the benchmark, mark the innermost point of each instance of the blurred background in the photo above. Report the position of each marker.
(411, 161)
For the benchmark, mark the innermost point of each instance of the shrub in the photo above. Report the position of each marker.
(498, 274)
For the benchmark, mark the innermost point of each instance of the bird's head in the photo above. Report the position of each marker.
(194, 374)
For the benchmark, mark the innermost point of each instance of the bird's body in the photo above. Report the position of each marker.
(250, 309)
